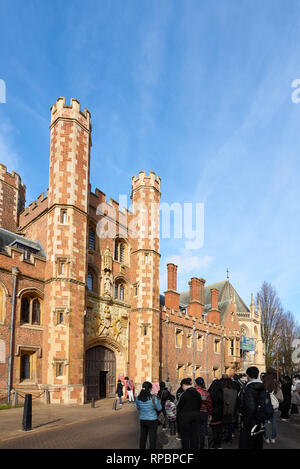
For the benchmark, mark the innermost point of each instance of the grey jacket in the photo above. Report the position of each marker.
(230, 401)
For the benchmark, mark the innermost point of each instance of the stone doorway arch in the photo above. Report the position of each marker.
(100, 373)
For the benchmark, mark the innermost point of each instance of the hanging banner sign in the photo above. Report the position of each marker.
(247, 344)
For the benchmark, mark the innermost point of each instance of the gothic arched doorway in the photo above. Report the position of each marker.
(100, 373)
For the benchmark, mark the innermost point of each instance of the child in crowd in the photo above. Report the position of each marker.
(170, 408)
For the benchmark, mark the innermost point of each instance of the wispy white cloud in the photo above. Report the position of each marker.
(188, 263)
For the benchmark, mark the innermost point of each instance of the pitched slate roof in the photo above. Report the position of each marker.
(8, 238)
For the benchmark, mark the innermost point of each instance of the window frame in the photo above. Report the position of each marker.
(30, 298)
(178, 333)
(92, 241)
(200, 339)
(217, 346)
(120, 291)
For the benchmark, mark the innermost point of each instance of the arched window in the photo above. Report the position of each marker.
(119, 291)
(116, 291)
(120, 251)
(244, 330)
(116, 252)
(92, 239)
(122, 292)
(30, 310)
(25, 310)
(36, 311)
(90, 281)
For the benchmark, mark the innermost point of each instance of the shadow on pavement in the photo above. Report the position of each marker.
(46, 423)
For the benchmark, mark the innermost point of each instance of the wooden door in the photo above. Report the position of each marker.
(100, 373)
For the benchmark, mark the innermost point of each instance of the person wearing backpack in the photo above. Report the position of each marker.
(163, 395)
(273, 387)
(255, 409)
(205, 411)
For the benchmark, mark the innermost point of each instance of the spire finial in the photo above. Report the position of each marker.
(227, 273)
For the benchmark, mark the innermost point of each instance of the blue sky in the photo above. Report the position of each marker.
(198, 91)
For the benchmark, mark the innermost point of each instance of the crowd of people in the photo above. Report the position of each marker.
(244, 406)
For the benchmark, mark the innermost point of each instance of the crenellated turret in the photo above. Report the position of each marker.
(12, 198)
(66, 271)
(145, 258)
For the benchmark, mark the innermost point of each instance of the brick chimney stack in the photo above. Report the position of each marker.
(196, 306)
(171, 295)
(172, 277)
(214, 313)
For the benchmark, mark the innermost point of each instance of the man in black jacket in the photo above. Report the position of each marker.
(188, 412)
(249, 399)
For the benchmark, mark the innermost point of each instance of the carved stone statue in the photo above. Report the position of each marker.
(107, 260)
(107, 286)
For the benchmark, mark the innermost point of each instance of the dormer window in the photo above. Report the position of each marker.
(28, 250)
(27, 254)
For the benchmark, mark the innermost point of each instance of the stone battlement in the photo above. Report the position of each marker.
(186, 320)
(146, 181)
(13, 178)
(34, 209)
(70, 111)
(99, 197)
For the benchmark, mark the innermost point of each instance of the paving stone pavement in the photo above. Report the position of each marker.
(45, 417)
(63, 427)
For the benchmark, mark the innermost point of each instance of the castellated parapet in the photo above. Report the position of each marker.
(70, 111)
(142, 180)
(12, 178)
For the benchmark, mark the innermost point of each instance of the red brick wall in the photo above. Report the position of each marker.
(12, 198)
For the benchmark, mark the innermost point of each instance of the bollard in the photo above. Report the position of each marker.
(93, 402)
(15, 399)
(27, 414)
(46, 396)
